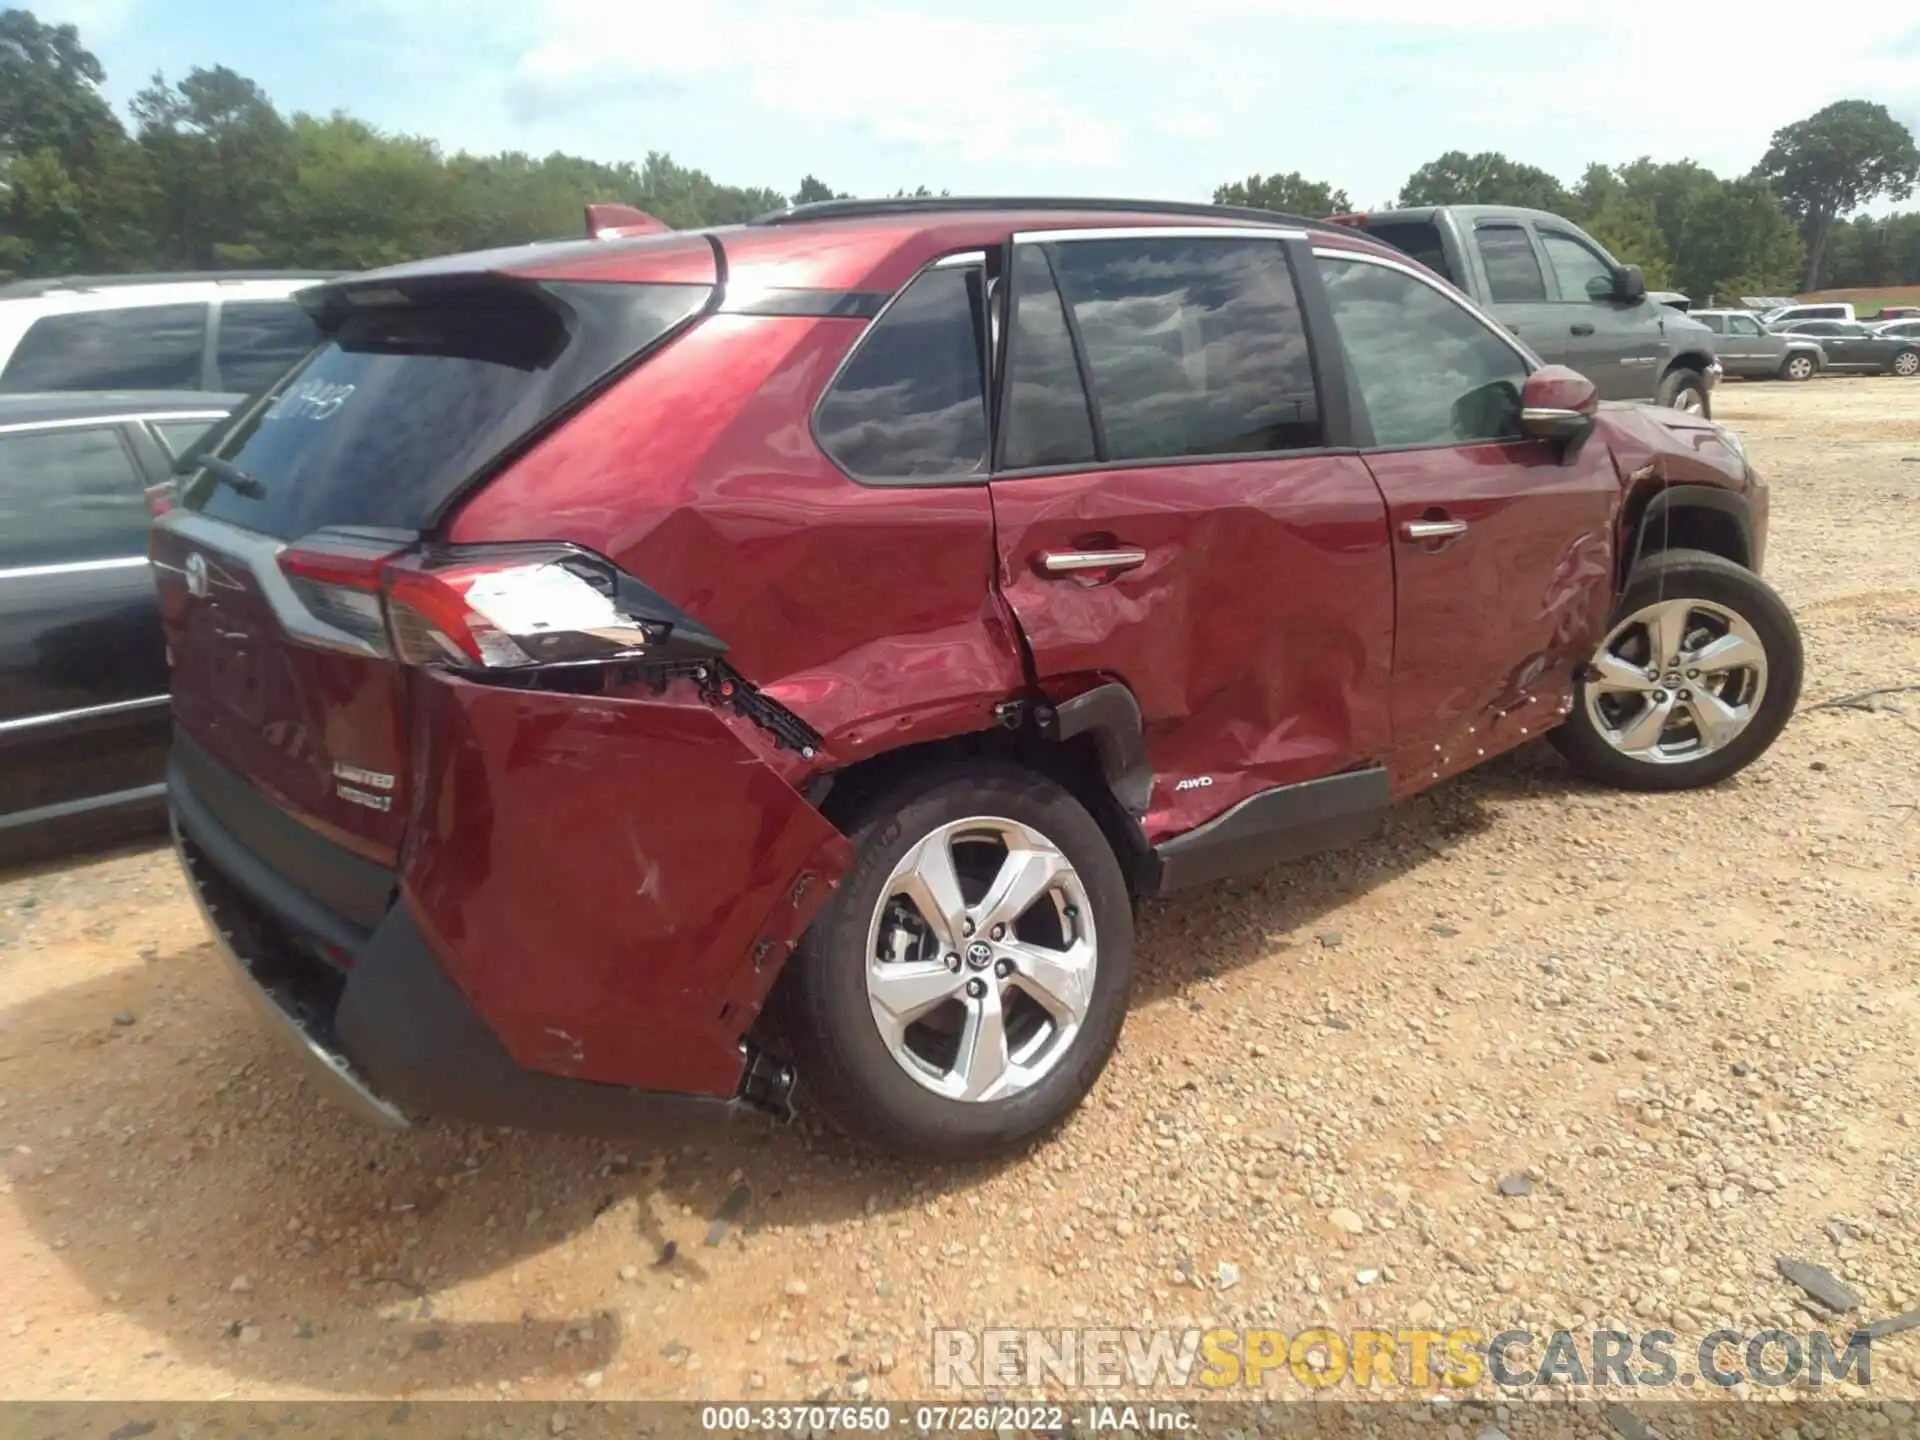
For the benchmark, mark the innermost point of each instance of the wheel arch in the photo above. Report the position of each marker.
(1692, 517)
(1092, 745)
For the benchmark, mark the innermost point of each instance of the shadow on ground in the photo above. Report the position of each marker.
(172, 1155)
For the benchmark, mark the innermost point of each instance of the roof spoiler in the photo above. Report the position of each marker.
(621, 222)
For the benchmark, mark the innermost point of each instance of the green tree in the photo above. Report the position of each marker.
(1489, 178)
(1833, 162)
(813, 190)
(1290, 194)
(50, 93)
(357, 198)
(221, 157)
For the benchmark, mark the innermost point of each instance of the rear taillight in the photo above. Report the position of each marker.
(487, 607)
(160, 498)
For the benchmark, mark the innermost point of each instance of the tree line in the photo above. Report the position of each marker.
(206, 173)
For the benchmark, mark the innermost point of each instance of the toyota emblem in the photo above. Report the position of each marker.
(197, 582)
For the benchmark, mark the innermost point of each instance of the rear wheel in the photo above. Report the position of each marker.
(964, 987)
(1907, 363)
(1683, 389)
(1797, 367)
(1695, 678)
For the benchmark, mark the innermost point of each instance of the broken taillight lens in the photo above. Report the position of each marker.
(487, 607)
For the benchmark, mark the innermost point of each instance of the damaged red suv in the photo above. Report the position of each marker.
(850, 615)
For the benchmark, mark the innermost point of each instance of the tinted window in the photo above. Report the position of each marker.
(1742, 325)
(1582, 274)
(259, 340)
(69, 495)
(1047, 418)
(405, 403)
(1193, 346)
(178, 435)
(1418, 238)
(1816, 327)
(911, 403)
(149, 347)
(1429, 372)
(1513, 274)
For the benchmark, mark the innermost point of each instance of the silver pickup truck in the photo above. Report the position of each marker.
(1558, 289)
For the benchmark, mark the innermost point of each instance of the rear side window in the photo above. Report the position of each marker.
(1194, 346)
(1513, 274)
(407, 401)
(1048, 422)
(69, 495)
(1582, 274)
(147, 347)
(911, 402)
(1716, 323)
(259, 341)
(1427, 370)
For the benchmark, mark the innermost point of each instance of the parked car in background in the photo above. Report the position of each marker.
(1850, 345)
(230, 332)
(533, 723)
(1899, 312)
(1558, 289)
(83, 668)
(1903, 328)
(1751, 351)
(1784, 315)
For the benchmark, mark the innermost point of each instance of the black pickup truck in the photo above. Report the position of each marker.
(1558, 289)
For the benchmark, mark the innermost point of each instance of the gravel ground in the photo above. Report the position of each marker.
(1689, 1022)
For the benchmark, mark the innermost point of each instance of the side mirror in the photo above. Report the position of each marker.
(1557, 404)
(1629, 285)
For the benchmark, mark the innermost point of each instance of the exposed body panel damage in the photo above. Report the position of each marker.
(660, 978)
(1657, 450)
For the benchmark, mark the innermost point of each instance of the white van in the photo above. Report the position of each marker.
(234, 332)
(1828, 310)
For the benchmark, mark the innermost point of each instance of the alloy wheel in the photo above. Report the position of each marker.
(1676, 681)
(981, 958)
(1800, 368)
(1907, 362)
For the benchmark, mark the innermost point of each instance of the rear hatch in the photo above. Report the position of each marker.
(298, 571)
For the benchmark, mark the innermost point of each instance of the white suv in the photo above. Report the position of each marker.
(233, 331)
(1787, 314)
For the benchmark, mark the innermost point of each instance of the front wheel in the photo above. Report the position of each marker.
(964, 987)
(1906, 363)
(1695, 679)
(1798, 367)
(1683, 389)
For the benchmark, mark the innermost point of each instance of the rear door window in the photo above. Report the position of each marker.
(1513, 271)
(910, 405)
(1048, 418)
(259, 341)
(178, 435)
(68, 495)
(405, 402)
(144, 347)
(1741, 325)
(1194, 346)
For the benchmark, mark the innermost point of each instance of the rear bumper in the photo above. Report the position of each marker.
(383, 1032)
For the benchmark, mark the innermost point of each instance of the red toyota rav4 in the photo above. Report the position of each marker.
(851, 614)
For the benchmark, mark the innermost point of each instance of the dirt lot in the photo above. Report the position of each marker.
(1692, 1021)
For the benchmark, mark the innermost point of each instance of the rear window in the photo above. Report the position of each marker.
(259, 342)
(406, 402)
(1418, 238)
(144, 347)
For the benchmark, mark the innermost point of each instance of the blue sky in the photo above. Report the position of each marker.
(1126, 97)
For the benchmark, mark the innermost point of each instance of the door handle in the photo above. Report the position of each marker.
(1074, 562)
(1432, 529)
(1582, 329)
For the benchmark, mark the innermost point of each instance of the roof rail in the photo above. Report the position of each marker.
(26, 289)
(951, 204)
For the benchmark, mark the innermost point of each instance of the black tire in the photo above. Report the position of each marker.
(1798, 367)
(826, 1015)
(1686, 575)
(1679, 385)
(1905, 363)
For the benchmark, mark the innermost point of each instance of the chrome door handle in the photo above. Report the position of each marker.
(1070, 562)
(1432, 529)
